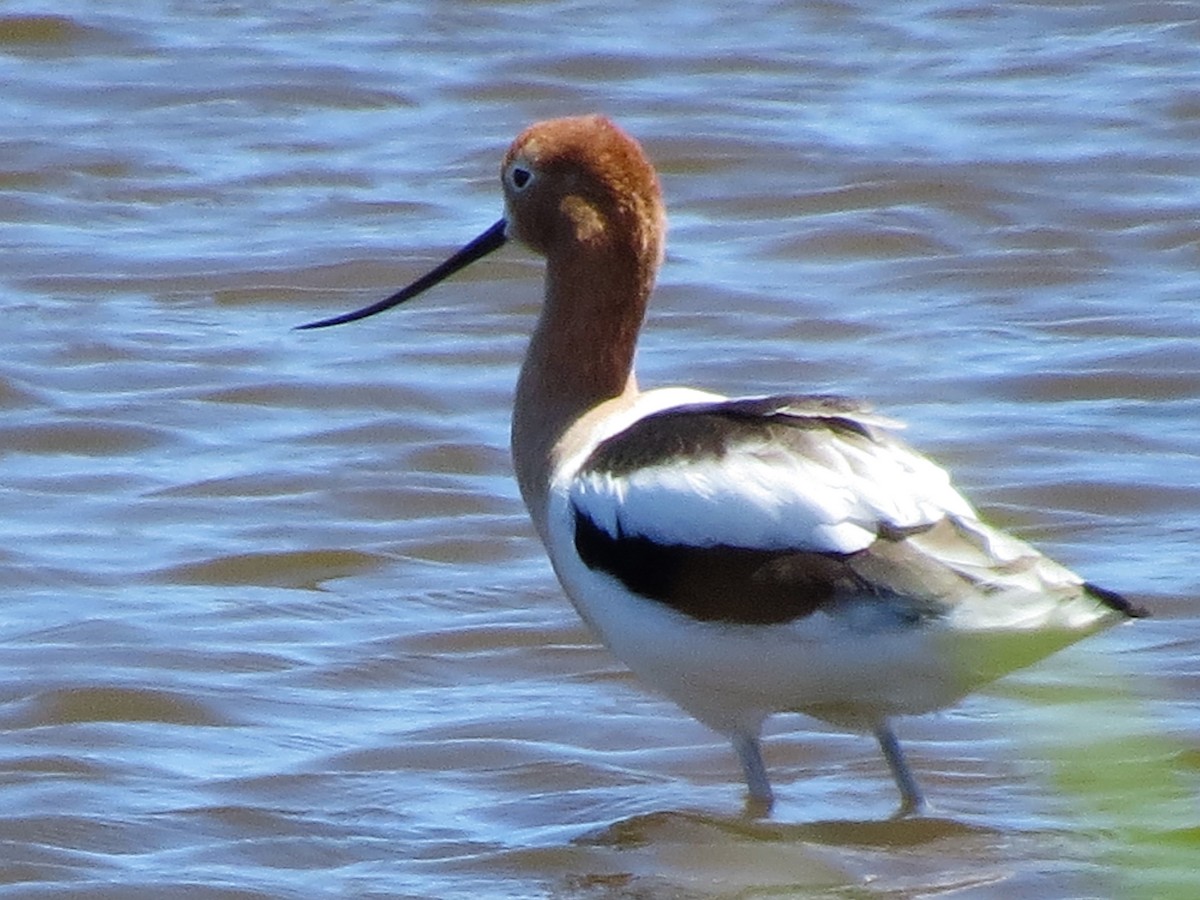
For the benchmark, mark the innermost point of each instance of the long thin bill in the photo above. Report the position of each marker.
(490, 240)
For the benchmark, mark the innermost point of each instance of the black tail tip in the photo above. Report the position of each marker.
(1119, 602)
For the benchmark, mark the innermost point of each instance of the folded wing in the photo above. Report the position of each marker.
(768, 510)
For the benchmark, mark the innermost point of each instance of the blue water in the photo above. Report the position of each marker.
(275, 624)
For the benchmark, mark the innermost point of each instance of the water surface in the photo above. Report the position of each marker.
(275, 624)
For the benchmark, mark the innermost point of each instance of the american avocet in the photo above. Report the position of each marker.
(748, 556)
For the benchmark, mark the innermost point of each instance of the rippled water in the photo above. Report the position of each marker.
(275, 624)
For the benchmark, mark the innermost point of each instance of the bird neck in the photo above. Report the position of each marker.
(580, 356)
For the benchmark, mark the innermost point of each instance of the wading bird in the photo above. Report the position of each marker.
(743, 556)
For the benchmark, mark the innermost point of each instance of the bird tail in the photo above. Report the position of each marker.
(1118, 602)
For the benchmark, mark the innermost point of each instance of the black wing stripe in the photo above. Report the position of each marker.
(710, 430)
(740, 585)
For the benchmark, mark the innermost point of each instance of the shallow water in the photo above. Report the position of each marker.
(275, 624)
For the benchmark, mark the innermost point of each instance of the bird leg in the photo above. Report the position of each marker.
(760, 798)
(911, 800)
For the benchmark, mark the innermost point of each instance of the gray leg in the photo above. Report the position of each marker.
(759, 785)
(911, 800)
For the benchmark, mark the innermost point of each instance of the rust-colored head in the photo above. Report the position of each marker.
(582, 183)
(579, 191)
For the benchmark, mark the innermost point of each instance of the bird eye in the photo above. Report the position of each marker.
(520, 177)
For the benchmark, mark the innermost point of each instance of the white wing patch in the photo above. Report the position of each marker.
(831, 492)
